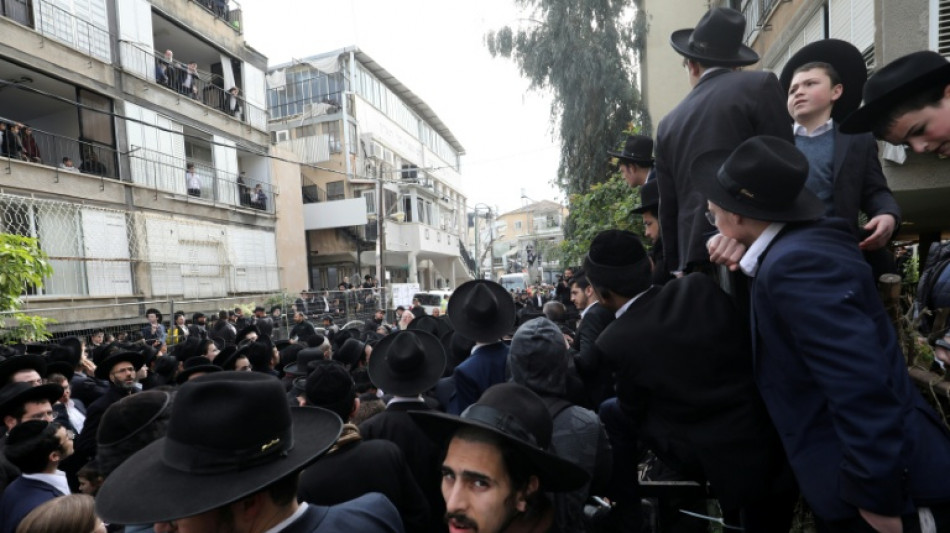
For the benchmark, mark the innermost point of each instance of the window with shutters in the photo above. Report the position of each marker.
(940, 26)
(852, 21)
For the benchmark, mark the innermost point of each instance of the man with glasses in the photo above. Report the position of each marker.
(36, 447)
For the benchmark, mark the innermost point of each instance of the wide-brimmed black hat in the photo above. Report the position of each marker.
(62, 368)
(230, 435)
(637, 149)
(407, 363)
(898, 80)
(519, 416)
(18, 363)
(847, 62)
(716, 39)
(618, 261)
(350, 352)
(228, 357)
(16, 394)
(649, 198)
(104, 366)
(302, 364)
(763, 179)
(481, 310)
(195, 365)
(427, 323)
(247, 330)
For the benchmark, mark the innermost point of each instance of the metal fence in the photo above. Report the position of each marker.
(58, 23)
(126, 320)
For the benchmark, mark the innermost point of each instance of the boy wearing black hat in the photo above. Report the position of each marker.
(724, 107)
(636, 159)
(864, 446)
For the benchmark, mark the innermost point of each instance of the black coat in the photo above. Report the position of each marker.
(362, 467)
(588, 359)
(683, 357)
(423, 456)
(723, 109)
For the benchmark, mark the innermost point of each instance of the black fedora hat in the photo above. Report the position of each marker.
(252, 439)
(228, 357)
(195, 365)
(427, 323)
(764, 178)
(637, 149)
(457, 349)
(18, 363)
(350, 353)
(519, 416)
(618, 261)
(847, 62)
(16, 394)
(902, 78)
(649, 198)
(407, 363)
(716, 39)
(62, 368)
(482, 310)
(303, 363)
(104, 366)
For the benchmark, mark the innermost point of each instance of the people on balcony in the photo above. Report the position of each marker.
(189, 80)
(165, 72)
(259, 198)
(67, 165)
(31, 151)
(234, 104)
(92, 165)
(12, 143)
(193, 181)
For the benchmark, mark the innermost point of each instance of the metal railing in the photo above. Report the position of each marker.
(57, 23)
(49, 149)
(228, 11)
(165, 172)
(198, 85)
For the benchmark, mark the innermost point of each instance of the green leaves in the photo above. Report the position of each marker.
(23, 265)
(607, 206)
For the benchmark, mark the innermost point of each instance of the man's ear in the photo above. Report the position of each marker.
(836, 92)
(522, 498)
(9, 422)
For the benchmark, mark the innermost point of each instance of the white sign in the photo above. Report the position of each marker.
(403, 292)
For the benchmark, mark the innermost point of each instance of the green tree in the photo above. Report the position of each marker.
(22, 264)
(582, 51)
(608, 205)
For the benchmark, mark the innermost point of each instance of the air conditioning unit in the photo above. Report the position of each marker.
(371, 148)
(372, 169)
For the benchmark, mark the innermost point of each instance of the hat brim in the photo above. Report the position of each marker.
(49, 391)
(63, 368)
(863, 119)
(636, 160)
(679, 40)
(19, 363)
(183, 376)
(504, 319)
(556, 474)
(805, 207)
(382, 375)
(640, 209)
(846, 60)
(104, 368)
(172, 494)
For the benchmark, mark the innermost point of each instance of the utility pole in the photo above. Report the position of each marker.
(380, 234)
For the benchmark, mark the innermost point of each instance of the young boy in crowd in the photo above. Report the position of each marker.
(908, 102)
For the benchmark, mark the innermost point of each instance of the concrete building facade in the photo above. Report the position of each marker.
(371, 151)
(524, 240)
(133, 93)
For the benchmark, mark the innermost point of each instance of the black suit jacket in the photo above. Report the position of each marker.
(362, 467)
(860, 185)
(423, 456)
(588, 360)
(724, 108)
(684, 373)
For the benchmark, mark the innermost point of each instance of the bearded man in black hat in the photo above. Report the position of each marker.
(724, 107)
(636, 159)
(405, 365)
(682, 360)
(236, 470)
(483, 311)
(864, 445)
(497, 465)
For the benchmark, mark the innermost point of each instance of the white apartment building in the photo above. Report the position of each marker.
(369, 148)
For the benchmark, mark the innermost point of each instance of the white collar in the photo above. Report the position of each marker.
(586, 309)
(710, 70)
(802, 131)
(750, 261)
(624, 307)
(57, 480)
(301, 509)
(405, 399)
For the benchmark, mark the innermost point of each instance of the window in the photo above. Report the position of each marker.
(370, 197)
(332, 131)
(335, 191)
(853, 21)
(309, 130)
(518, 226)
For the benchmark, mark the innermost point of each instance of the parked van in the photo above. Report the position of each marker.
(430, 300)
(514, 282)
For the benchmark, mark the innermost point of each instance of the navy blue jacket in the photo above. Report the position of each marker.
(21, 497)
(484, 368)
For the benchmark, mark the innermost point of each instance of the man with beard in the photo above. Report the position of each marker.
(199, 326)
(120, 369)
(497, 467)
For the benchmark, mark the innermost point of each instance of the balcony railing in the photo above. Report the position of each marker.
(228, 11)
(200, 86)
(49, 149)
(60, 24)
(167, 173)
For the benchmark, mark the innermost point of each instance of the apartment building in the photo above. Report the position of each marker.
(524, 240)
(135, 93)
(380, 172)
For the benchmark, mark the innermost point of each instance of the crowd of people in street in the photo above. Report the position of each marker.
(746, 355)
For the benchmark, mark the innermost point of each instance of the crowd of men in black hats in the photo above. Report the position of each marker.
(747, 352)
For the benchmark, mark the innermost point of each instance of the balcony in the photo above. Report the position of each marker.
(192, 82)
(227, 10)
(54, 22)
(418, 237)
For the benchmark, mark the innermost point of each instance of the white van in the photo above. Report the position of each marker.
(514, 282)
(430, 300)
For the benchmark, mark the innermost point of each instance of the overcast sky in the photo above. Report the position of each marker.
(436, 48)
